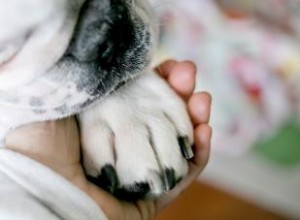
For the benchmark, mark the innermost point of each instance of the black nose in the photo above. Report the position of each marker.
(103, 33)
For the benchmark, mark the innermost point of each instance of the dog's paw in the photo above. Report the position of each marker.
(135, 143)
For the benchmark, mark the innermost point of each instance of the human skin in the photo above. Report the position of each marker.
(56, 144)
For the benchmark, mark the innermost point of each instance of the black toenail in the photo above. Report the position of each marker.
(185, 147)
(169, 179)
(107, 180)
(133, 192)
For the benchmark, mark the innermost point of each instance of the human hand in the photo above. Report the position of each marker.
(56, 144)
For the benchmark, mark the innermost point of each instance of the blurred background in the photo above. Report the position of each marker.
(248, 55)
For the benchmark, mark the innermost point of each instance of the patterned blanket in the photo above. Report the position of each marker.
(248, 54)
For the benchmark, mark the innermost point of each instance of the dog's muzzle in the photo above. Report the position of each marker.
(103, 33)
(111, 45)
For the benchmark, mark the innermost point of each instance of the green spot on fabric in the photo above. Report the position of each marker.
(284, 147)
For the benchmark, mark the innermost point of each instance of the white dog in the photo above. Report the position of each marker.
(65, 57)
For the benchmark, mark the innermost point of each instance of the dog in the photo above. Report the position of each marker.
(91, 58)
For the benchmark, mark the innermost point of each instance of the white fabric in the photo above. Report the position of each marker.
(31, 191)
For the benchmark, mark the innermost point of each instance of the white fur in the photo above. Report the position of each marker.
(122, 124)
(135, 129)
(42, 24)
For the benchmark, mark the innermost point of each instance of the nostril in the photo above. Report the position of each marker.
(106, 51)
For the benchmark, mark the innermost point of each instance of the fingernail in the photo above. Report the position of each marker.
(185, 148)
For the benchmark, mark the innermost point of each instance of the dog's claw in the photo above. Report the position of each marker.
(107, 180)
(185, 148)
(169, 179)
(133, 192)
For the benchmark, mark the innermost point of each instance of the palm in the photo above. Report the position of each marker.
(56, 144)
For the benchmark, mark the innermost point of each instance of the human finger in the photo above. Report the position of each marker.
(203, 135)
(199, 107)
